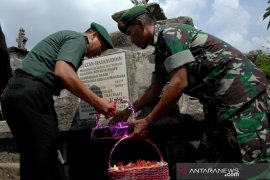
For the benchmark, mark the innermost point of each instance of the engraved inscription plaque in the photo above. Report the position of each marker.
(107, 77)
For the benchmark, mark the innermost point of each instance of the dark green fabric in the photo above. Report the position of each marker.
(103, 33)
(130, 15)
(69, 46)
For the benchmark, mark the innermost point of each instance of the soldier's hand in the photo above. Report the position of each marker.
(120, 116)
(140, 129)
(106, 107)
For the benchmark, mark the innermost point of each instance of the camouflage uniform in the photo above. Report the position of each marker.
(228, 84)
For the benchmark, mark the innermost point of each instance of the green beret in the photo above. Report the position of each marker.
(103, 33)
(131, 14)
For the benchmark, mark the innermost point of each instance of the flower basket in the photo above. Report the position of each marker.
(142, 170)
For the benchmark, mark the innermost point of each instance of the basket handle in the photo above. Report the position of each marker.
(122, 139)
(119, 100)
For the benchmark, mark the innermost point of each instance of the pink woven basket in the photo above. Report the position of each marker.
(159, 171)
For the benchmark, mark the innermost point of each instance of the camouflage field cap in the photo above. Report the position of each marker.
(103, 33)
(128, 16)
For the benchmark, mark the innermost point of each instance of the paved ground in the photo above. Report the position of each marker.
(9, 171)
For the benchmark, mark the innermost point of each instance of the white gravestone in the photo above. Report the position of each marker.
(107, 77)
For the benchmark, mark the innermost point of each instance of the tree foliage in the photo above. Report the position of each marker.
(267, 14)
(262, 61)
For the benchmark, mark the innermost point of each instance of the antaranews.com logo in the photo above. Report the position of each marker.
(220, 171)
(225, 172)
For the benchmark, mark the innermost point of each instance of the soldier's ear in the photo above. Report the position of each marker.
(140, 22)
(94, 34)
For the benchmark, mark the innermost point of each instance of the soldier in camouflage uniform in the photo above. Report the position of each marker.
(231, 88)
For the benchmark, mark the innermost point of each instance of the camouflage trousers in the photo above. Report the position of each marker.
(251, 125)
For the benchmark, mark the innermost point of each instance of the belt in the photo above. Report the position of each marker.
(21, 73)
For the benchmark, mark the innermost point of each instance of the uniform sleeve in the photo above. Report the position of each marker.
(176, 42)
(73, 51)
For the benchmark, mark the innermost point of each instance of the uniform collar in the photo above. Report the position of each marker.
(158, 30)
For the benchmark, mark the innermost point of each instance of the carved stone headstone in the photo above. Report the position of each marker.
(107, 77)
(115, 74)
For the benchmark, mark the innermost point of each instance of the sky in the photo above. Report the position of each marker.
(238, 22)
